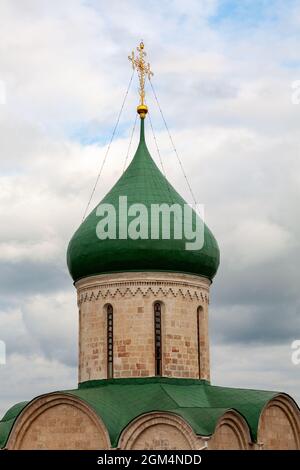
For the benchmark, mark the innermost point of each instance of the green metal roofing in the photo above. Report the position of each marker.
(8, 420)
(142, 183)
(119, 401)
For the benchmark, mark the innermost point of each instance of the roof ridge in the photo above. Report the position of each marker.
(162, 385)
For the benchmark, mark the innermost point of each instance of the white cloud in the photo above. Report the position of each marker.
(255, 242)
(266, 367)
(24, 377)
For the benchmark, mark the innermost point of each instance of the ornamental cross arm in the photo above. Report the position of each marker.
(143, 70)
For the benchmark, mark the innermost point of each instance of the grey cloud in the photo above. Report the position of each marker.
(213, 89)
(276, 323)
(21, 278)
(44, 324)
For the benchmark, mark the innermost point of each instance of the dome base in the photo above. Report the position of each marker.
(131, 297)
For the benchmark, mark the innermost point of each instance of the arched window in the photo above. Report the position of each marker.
(199, 315)
(110, 341)
(157, 337)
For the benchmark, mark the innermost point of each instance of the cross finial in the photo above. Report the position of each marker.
(143, 70)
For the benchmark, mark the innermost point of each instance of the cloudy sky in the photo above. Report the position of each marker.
(223, 73)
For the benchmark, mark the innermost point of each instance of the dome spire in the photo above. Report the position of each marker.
(143, 70)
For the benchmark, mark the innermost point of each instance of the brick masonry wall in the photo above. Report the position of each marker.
(161, 437)
(132, 297)
(159, 431)
(225, 439)
(279, 426)
(58, 422)
(231, 433)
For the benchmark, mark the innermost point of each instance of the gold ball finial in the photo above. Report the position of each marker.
(142, 45)
(142, 110)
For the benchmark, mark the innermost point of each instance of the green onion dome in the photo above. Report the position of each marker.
(90, 253)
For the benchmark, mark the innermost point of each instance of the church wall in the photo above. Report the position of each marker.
(58, 422)
(231, 433)
(132, 297)
(279, 425)
(159, 431)
(204, 341)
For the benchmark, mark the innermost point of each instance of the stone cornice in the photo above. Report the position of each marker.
(144, 284)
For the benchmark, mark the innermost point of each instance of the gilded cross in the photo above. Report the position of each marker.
(143, 69)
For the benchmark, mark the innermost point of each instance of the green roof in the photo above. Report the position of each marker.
(142, 183)
(119, 401)
(8, 420)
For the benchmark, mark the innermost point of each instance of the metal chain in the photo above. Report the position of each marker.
(108, 148)
(172, 143)
(130, 142)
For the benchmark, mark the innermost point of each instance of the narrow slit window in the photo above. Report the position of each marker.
(157, 336)
(110, 342)
(199, 314)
